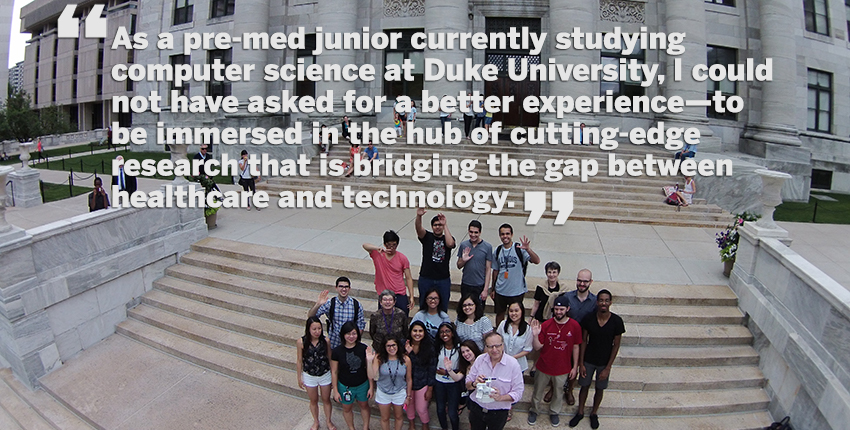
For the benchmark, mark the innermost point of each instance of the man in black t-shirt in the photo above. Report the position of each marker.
(602, 333)
(436, 251)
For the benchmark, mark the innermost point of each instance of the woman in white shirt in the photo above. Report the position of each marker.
(471, 322)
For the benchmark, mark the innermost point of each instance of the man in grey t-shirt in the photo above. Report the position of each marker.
(508, 276)
(474, 257)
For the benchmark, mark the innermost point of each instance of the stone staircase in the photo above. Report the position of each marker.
(24, 409)
(623, 199)
(686, 359)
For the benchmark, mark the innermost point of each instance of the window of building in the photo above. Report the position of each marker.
(182, 11)
(99, 84)
(847, 13)
(721, 55)
(622, 88)
(722, 2)
(306, 87)
(133, 24)
(817, 18)
(222, 8)
(405, 51)
(821, 179)
(224, 56)
(183, 90)
(819, 101)
(53, 93)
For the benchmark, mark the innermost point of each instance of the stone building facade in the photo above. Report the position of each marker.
(793, 123)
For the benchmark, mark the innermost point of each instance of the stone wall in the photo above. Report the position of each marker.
(64, 286)
(800, 318)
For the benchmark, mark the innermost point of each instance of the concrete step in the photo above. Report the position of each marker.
(50, 410)
(676, 334)
(294, 314)
(255, 372)
(7, 422)
(729, 421)
(692, 356)
(626, 403)
(19, 412)
(276, 265)
(268, 352)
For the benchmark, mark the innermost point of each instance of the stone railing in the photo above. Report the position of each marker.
(64, 286)
(800, 318)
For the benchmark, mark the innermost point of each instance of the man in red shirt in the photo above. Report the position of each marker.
(392, 270)
(558, 340)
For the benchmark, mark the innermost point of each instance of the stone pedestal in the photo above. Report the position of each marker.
(25, 189)
(8, 232)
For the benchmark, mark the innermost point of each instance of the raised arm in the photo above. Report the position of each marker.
(323, 298)
(526, 245)
(420, 231)
(450, 240)
(369, 247)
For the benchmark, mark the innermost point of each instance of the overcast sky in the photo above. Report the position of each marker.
(17, 42)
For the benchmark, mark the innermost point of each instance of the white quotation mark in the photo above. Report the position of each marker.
(535, 202)
(69, 27)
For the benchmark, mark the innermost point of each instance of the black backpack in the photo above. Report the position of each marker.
(785, 424)
(518, 255)
(330, 321)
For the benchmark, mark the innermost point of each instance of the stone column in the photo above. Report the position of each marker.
(336, 16)
(5, 227)
(253, 17)
(779, 99)
(444, 16)
(687, 16)
(775, 137)
(564, 15)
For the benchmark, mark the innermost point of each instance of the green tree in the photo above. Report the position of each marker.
(22, 121)
(54, 120)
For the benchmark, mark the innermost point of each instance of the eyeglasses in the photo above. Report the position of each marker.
(469, 305)
(584, 281)
(433, 298)
(498, 345)
(392, 345)
(343, 286)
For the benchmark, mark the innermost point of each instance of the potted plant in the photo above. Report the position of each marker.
(727, 241)
(209, 211)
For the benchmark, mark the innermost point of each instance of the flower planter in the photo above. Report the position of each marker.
(211, 221)
(727, 267)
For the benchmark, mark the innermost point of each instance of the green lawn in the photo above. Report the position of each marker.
(54, 192)
(66, 151)
(827, 212)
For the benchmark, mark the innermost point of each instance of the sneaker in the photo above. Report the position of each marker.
(556, 420)
(574, 422)
(594, 421)
(532, 418)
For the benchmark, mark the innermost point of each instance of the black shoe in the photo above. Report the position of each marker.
(532, 418)
(594, 421)
(576, 419)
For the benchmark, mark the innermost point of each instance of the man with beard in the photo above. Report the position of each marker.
(558, 340)
(603, 331)
(582, 303)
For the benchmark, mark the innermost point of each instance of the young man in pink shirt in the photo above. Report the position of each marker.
(392, 270)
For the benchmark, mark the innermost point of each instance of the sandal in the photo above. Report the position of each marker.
(510, 415)
(331, 426)
(461, 409)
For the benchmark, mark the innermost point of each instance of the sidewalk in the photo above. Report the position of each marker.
(613, 252)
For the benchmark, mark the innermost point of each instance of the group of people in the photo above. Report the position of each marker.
(468, 363)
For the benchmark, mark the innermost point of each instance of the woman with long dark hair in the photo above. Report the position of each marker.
(423, 359)
(314, 369)
(471, 322)
(447, 390)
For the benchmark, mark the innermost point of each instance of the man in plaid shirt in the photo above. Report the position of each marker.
(344, 309)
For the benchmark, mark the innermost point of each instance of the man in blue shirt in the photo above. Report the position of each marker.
(339, 309)
(371, 152)
(688, 151)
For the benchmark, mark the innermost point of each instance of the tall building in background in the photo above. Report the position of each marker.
(74, 73)
(16, 76)
(6, 9)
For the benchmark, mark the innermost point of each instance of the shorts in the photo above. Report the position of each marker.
(591, 369)
(501, 302)
(402, 117)
(397, 399)
(488, 120)
(359, 393)
(316, 381)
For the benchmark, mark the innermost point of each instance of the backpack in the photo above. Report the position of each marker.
(785, 424)
(330, 321)
(518, 255)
